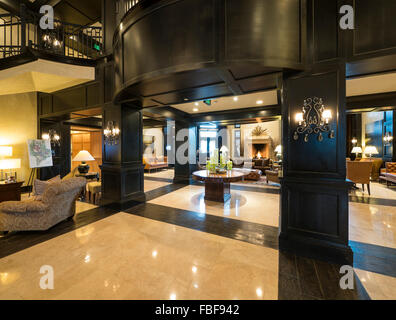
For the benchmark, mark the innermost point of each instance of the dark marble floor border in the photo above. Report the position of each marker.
(159, 192)
(158, 179)
(374, 258)
(253, 233)
(18, 241)
(373, 201)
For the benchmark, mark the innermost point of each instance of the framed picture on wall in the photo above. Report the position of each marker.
(40, 153)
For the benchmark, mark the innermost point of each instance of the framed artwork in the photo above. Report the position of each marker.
(40, 154)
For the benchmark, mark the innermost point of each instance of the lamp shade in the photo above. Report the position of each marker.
(9, 164)
(370, 150)
(84, 156)
(5, 151)
(278, 149)
(357, 150)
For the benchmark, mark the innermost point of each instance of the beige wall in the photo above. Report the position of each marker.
(18, 123)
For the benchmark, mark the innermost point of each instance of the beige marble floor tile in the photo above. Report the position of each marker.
(254, 207)
(372, 224)
(84, 206)
(144, 259)
(151, 185)
(378, 286)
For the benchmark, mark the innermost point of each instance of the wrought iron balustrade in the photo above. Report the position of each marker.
(66, 39)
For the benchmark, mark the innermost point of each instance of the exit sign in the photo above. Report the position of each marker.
(208, 102)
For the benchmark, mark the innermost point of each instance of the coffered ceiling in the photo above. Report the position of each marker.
(259, 100)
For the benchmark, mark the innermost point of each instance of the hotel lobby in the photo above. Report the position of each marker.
(245, 152)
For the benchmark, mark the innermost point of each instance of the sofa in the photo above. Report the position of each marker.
(256, 164)
(389, 173)
(155, 163)
(253, 174)
(57, 203)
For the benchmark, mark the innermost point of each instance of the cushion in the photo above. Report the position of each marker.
(40, 186)
(22, 206)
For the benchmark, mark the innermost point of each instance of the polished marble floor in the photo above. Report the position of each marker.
(105, 254)
(244, 205)
(144, 259)
(150, 185)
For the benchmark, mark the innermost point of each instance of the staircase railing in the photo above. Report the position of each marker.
(65, 39)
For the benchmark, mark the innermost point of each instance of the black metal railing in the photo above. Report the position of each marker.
(66, 39)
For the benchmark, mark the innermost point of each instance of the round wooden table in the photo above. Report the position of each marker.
(217, 185)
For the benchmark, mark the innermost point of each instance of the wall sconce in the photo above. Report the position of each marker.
(52, 136)
(111, 133)
(354, 141)
(388, 138)
(314, 119)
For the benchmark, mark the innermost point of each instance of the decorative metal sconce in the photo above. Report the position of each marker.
(314, 119)
(53, 137)
(111, 133)
(388, 138)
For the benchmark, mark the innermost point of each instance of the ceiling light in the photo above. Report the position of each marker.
(197, 104)
(260, 102)
(235, 98)
(195, 109)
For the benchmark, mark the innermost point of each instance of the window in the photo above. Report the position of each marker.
(205, 137)
(237, 143)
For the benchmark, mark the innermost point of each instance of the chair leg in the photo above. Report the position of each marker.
(363, 187)
(368, 188)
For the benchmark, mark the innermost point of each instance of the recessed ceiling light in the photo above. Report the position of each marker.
(195, 110)
(235, 98)
(197, 104)
(260, 102)
(185, 99)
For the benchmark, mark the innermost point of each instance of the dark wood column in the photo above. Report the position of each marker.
(122, 170)
(184, 169)
(314, 197)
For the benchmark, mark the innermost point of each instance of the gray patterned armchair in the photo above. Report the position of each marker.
(58, 203)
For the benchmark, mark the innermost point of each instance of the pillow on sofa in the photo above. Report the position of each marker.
(40, 186)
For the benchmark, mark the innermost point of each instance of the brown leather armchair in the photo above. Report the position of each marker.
(375, 171)
(360, 172)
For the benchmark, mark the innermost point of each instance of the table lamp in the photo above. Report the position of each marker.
(356, 150)
(83, 156)
(9, 164)
(370, 150)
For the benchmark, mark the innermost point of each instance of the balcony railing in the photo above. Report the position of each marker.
(66, 39)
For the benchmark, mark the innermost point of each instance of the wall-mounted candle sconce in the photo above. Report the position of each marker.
(111, 133)
(354, 141)
(53, 137)
(314, 119)
(388, 138)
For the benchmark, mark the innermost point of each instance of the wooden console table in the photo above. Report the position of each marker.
(10, 191)
(217, 185)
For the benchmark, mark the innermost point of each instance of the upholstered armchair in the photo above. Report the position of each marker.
(375, 171)
(58, 203)
(360, 172)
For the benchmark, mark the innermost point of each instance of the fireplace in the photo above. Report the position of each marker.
(260, 151)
